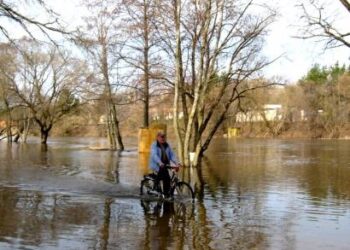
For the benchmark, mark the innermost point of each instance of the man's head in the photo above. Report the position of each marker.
(161, 137)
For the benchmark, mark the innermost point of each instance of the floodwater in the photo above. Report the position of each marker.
(251, 194)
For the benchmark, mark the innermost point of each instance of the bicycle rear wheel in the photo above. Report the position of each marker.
(183, 191)
(147, 186)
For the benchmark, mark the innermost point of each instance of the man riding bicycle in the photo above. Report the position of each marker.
(161, 156)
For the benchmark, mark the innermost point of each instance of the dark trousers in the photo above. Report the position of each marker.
(163, 175)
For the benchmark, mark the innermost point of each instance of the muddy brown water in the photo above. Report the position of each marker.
(251, 194)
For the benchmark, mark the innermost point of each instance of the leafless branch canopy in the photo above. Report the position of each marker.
(319, 25)
(17, 14)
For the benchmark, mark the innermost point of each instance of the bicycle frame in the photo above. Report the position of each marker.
(178, 189)
(173, 181)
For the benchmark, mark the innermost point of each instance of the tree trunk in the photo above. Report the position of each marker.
(346, 4)
(9, 122)
(17, 135)
(146, 109)
(44, 135)
(8, 130)
(146, 69)
(198, 183)
(179, 78)
(110, 127)
(26, 130)
(117, 130)
(112, 120)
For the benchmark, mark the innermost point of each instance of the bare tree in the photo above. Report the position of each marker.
(99, 39)
(16, 14)
(44, 83)
(7, 67)
(215, 47)
(321, 25)
(140, 51)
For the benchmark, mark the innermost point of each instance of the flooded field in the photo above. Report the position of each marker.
(251, 194)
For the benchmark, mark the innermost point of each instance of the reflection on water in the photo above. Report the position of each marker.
(166, 224)
(251, 194)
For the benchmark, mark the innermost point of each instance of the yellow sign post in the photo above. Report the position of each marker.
(148, 135)
(233, 132)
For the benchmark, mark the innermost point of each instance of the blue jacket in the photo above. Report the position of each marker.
(156, 153)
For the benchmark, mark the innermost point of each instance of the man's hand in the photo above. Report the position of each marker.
(161, 165)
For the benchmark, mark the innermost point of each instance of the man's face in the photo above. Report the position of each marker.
(161, 139)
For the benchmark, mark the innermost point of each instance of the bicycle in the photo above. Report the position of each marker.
(178, 189)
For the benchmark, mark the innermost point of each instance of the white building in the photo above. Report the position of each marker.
(270, 112)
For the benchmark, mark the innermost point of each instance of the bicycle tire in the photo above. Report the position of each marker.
(183, 190)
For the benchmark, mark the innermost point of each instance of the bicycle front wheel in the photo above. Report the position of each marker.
(182, 191)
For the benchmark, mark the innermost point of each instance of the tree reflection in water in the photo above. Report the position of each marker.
(112, 166)
(38, 219)
(104, 231)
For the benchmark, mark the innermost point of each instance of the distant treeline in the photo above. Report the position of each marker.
(318, 105)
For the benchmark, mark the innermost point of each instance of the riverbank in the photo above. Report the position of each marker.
(296, 130)
(301, 130)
